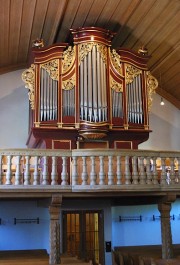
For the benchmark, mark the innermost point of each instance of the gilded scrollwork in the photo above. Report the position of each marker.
(69, 83)
(117, 87)
(116, 61)
(85, 48)
(28, 76)
(52, 68)
(152, 84)
(131, 73)
(68, 59)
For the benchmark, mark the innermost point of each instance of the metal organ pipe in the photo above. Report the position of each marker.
(48, 97)
(134, 100)
(93, 99)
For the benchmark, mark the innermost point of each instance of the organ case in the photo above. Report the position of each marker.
(89, 92)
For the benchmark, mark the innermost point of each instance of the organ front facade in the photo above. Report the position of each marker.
(87, 94)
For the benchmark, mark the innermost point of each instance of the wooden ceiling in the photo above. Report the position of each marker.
(153, 23)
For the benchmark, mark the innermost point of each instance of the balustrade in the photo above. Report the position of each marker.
(80, 168)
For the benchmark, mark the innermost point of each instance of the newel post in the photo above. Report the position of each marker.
(164, 208)
(54, 211)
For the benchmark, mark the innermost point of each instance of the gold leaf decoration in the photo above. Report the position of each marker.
(69, 83)
(117, 87)
(152, 84)
(116, 61)
(85, 48)
(28, 76)
(131, 73)
(68, 59)
(52, 68)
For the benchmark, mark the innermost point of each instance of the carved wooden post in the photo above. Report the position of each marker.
(54, 210)
(165, 208)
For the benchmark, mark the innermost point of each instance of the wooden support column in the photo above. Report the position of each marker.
(54, 210)
(165, 207)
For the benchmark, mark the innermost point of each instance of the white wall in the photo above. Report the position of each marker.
(13, 111)
(165, 126)
(146, 232)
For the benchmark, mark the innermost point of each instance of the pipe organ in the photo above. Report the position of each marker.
(88, 93)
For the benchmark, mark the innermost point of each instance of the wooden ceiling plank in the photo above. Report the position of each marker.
(133, 21)
(127, 13)
(146, 22)
(15, 28)
(66, 24)
(108, 14)
(26, 26)
(160, 26)
(4, 32)
(94, 13)
(54, 15)
(82, 13)
(38, 20)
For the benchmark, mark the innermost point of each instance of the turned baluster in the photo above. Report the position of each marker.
(64, 174)
(74, 173)
(148, 171)
(27, 175)
(45, 171)
(101, 171)
(142, 171)
(154, 171)
(84, 172)
(8, 172)
(54, 173)
(110, 171)
(163, 172)
(171, 174)
(127, 171)
(18, 171)
(118, 172)
(36, 174)
(1, 173)
(93, 174)
(135, 175)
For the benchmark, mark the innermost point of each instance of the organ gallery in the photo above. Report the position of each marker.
(87, 94)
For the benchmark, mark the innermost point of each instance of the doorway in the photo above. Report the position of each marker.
(83, 235)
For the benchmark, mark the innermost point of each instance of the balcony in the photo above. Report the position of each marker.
(88, 173)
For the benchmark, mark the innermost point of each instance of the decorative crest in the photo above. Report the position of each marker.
(152, 84)
(116, 60)
(28, 76)
(52, 68)
(68, 58)
(131, 73)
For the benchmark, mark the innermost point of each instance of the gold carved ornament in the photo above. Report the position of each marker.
(69, 83)
(68, 59)
(85, 48)
(152, 84)
(52, 68)
(116, 61)
(131, 73)
(28, 76)
(117, 87)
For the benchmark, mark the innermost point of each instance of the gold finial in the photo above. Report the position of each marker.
(38, 43)
(143, 50)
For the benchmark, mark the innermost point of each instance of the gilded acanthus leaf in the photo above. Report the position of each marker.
(68, 59)
(85, 48)
(152, 84)
(117, 87)
(52, 68)
(28, 76)
(69, 83)
(131, 73)
(116, 61)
